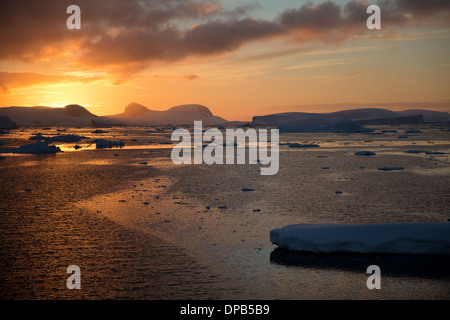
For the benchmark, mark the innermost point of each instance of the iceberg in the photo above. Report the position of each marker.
(36, 148)
(102, 143)
(57, 138)
(349, 126)
(99, 131)
(423, 238)
(65, 138)
(342, 126)
(7, 123)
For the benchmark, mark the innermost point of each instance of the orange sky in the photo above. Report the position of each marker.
(239, 59)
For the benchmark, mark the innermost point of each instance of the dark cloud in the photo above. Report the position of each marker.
(218, 37)
(326, 15)
(418, 7)
(126, 36)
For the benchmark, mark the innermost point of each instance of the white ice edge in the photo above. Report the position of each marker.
(389, 238)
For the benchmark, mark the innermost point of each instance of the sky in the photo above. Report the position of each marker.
(239, 58)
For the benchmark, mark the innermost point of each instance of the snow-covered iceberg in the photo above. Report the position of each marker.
(389, 238)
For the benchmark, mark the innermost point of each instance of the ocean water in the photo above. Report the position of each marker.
(159, 231)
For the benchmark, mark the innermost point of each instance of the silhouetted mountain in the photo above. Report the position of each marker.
(75, 110)
(71, 115)
(135, 109)
(372, 116)
(136, 114)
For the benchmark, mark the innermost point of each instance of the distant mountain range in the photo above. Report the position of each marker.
(365, 116)
(134, 114)
(71, 115)
(137, 114)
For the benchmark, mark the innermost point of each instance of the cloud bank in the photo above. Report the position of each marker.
(123, 37)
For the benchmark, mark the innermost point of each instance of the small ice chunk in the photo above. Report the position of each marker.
(390, 168)
(413, 131)
(299, 145)
(102, 143)
(364, 153)
(414, 151)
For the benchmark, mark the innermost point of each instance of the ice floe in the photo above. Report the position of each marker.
(388, 238)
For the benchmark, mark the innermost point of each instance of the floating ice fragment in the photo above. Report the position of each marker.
(298, 145)
(36, 148)
(413, 131)
(101, 143)
(364, 153)
(390, 168)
